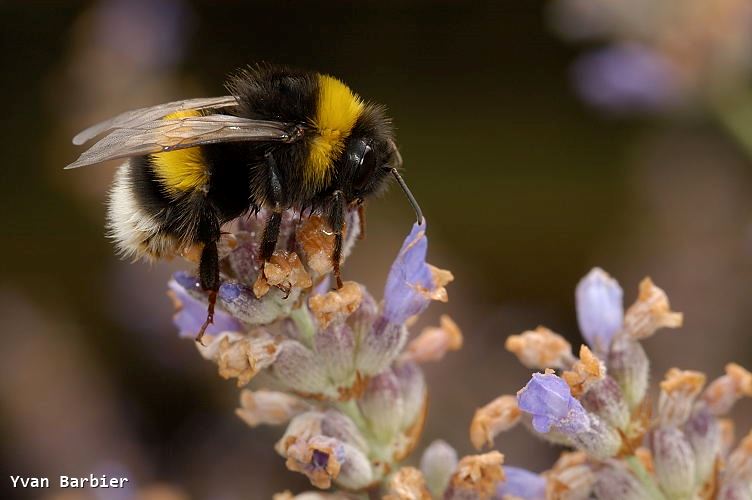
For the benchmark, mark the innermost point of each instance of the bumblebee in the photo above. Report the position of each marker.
(283, 139)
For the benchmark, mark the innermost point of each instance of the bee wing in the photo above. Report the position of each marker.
(168, 135)
(136, 117)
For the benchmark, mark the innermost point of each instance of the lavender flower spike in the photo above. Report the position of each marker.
(521, 483)
(549, 400)
(412, 283)
(600, 311)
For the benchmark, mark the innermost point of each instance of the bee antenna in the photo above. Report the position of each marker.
(410, 197)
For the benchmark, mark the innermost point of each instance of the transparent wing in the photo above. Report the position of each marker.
(169, 135)
(136, 117)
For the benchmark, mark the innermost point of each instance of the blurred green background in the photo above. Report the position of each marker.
(525, 189)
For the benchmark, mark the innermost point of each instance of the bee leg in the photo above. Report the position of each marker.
(271, 230)
(362, 220)
(208, 272)
(336, 218)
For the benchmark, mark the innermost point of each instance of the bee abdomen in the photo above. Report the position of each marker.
(136, 230)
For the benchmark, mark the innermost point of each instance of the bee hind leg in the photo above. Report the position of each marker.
(336, 219)
(208, 272)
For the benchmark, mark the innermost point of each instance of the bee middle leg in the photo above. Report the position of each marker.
(336, 219)
(271, 230)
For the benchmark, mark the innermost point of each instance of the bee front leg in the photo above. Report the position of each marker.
(336, 219)
(271, 230)
(208, 272)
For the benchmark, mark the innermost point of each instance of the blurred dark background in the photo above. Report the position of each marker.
(525, 189)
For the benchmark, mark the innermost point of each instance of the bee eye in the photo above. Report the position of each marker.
(361, 159)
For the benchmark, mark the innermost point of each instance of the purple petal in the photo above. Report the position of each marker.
(600, 311)
(409, 279)
(627, 78)
(192, 312)
(549, 400)
(521, 483)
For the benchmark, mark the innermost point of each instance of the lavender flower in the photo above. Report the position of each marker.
(521, 483)
(412, 283)
(190, 312)
(549, 400)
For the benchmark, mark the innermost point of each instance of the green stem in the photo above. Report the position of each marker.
(639, 470)
(304, 323)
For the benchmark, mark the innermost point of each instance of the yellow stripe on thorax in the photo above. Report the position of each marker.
(182, 169)
(337, 111)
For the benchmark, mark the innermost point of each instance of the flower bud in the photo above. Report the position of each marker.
(540, 349)
(380, 346)
(614, 480)
(413, 390)
(496, 417)
(725, 391)
(606, 399)
(240, 301)
(335, 424)
(704, 435)
(476, 476)
(599, 440)
(674, 462)
(521, 483)
(438, 463)
(650, 312)
(679, 389)
(629, 366)
(600, 311)
(407, 484)
(356, 472)
(335, 351)
(434, 342)
(571, 477)
(382, 406)
(269, 407)
(297, 367)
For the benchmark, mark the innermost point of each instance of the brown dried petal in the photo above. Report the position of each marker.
(408, 484)
(269, 407)
(240, 356)
(570, 478)
(317, 458)
(725, 391)
(496, 417)
(586, 371)
(477, 474)
(679, 389)
(650, 312)
(283, 270)
(434, 342)
(337, 303)
(541, 348)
